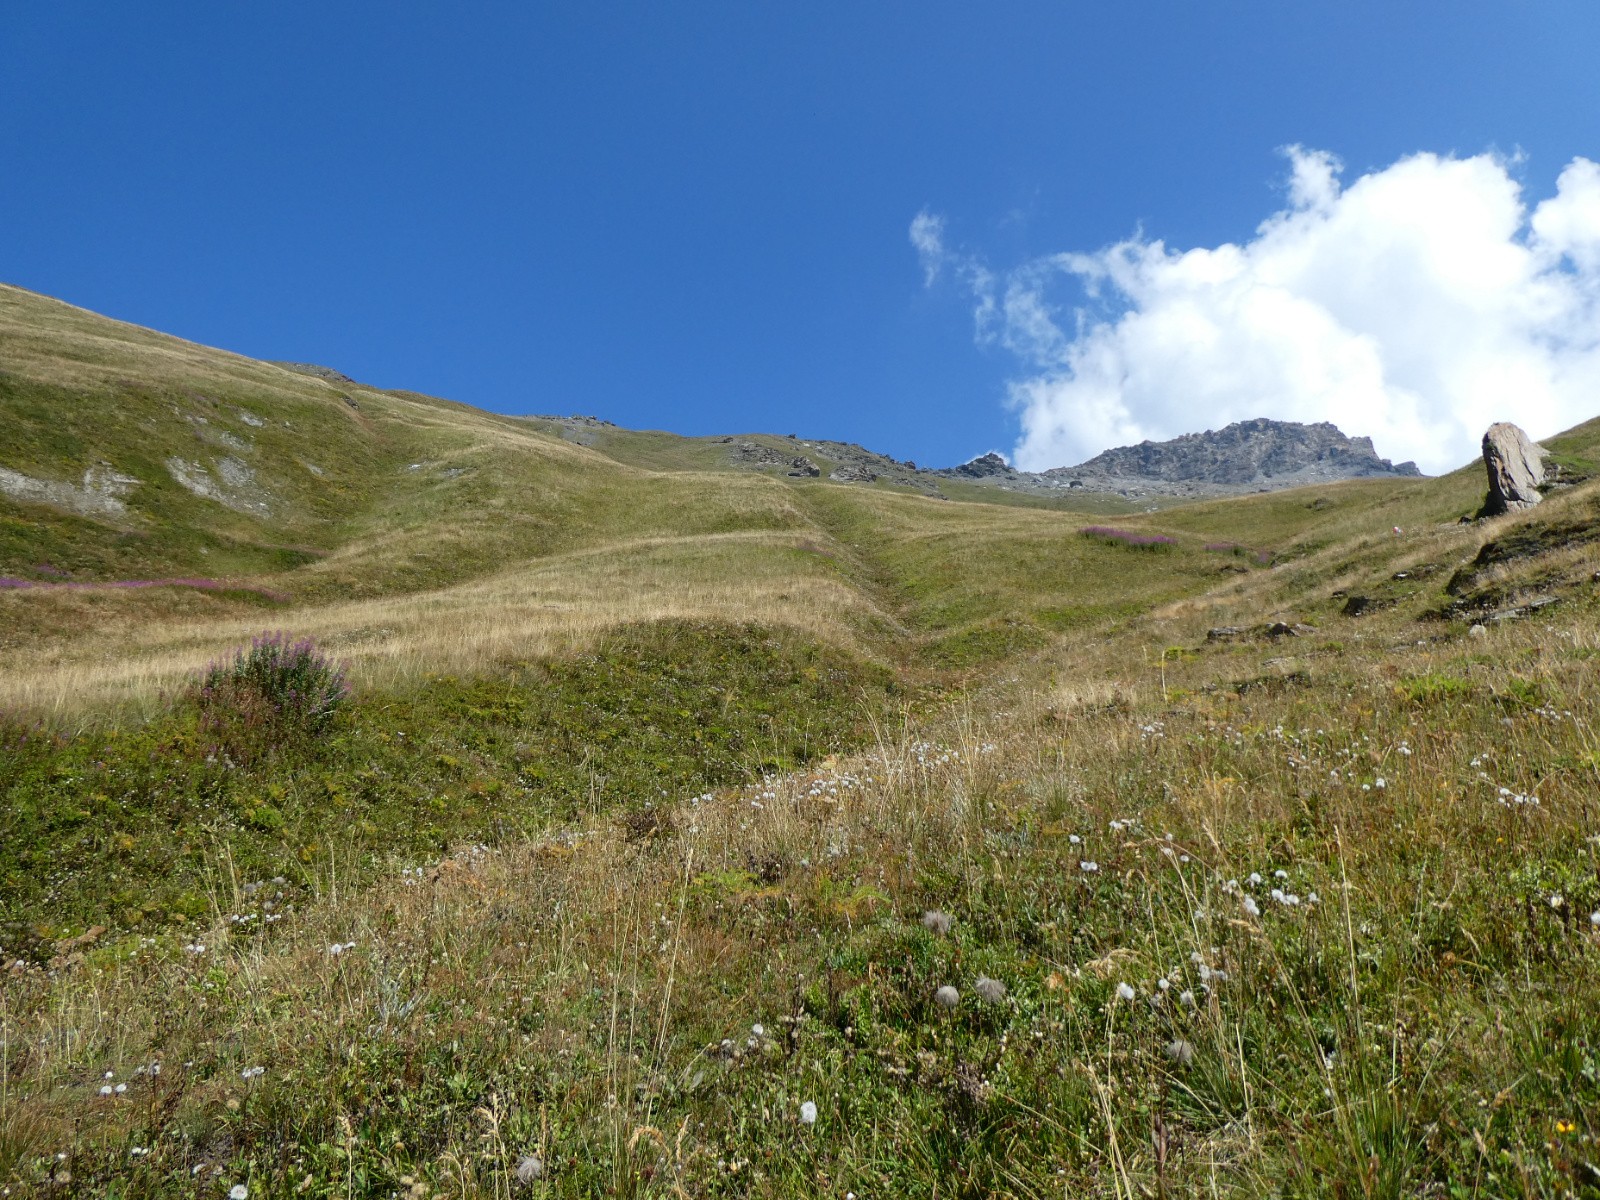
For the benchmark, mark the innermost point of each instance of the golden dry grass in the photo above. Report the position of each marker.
(548, 608)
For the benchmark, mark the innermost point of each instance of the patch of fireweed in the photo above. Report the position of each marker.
(1126, 537)
(274, 688)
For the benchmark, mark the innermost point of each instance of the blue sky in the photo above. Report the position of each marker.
(695, 217)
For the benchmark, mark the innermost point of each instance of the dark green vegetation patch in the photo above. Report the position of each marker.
(142, 826)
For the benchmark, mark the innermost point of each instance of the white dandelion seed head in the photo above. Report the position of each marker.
(1251, 907)
(991, 991)
(808, 1113)
(1125, 991)
(529, 1168)
(1180, 1052)
(238, 1192)
(947, 997)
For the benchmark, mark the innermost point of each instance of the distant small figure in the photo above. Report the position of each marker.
(1398, 531)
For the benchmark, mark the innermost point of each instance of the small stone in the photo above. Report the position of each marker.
(1477, 631)
(991, 991)
(935, 921)
(947, 997)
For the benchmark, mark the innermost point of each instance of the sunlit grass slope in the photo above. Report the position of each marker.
(1266, 915)
(412, 533)
(1256, 838)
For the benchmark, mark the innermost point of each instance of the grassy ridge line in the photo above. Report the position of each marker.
(1421, 1027)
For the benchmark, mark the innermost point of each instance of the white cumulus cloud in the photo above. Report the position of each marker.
(1417, 305)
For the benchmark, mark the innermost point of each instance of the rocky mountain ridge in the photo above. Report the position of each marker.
(1256, 455)
(1247, 456)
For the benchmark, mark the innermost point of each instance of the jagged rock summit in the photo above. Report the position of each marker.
(984, 466)
(1258, 453)
(1247, 456)
(1515, 465)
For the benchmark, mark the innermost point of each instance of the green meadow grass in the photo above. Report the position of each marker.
(1243, 890)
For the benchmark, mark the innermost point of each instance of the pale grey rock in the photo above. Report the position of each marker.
(233, 485)
(100, 495)
(1515, 465)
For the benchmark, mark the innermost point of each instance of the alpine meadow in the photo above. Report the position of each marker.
(406, 800)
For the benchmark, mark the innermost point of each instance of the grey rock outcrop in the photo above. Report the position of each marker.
(984, 466)
(1515, 465)
(315, 371)
(1247, 454)
(101, 494)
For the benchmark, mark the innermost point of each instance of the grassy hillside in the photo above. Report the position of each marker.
(1256, 838)
(1272, 915)
(410, 533)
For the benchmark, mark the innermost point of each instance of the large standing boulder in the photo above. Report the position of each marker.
(1515, 464)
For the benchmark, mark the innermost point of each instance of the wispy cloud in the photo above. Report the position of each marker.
(928, 237)
(1416, 305)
